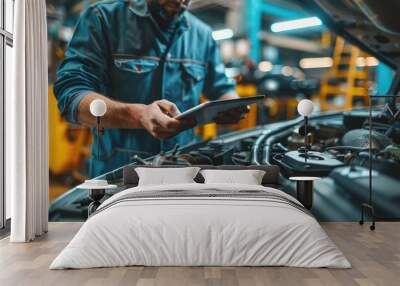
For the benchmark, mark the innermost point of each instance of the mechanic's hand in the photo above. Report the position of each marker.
(232, 116)
(158, 119)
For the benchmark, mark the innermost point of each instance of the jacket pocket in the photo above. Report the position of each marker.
(196, 71)
(193, 77)
(132, 79)
(136, 66)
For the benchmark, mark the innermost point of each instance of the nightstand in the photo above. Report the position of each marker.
(97, 190)
(305, 190)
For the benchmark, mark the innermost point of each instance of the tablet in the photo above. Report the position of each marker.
(206, 112)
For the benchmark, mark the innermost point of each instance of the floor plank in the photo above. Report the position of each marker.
(375, 257)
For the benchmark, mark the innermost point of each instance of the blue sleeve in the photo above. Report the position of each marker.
(84, 67)
(217, 83)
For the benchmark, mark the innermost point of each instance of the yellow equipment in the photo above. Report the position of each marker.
(207, 131)
(347, 79)
(68, 145)
(247, 90)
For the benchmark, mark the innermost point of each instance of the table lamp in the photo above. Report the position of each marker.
(98, 108)
(97, 188)
(305, 108)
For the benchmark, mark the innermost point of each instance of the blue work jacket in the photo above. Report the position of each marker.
(118, 50)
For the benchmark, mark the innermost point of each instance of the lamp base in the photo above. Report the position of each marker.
(305, 193)
(95, 195)
(369, 207)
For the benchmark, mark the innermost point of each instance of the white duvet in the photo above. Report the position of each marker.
(202, 231)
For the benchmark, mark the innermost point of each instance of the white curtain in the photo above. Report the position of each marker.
(26, 124)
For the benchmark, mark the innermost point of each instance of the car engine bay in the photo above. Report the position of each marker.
(339, 154)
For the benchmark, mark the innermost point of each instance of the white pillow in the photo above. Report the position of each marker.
(164, 176)
(248, 177)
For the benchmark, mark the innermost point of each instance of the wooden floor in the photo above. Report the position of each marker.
(375, 257)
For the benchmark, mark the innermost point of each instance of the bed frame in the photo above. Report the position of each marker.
(131, 178)
(270, 179)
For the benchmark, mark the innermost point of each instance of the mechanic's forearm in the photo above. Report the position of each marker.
(118, 115)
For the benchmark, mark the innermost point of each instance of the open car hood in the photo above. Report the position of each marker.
(372, 25)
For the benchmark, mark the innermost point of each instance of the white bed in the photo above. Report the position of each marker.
(269, 228)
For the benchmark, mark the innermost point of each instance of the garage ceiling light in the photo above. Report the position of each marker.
(327, 62)
(313, 63)
(367, 61)
(223, 34)
(287, 71)
(296, 24)
(265, 66)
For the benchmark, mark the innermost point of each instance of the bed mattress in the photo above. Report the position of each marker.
(201, 225)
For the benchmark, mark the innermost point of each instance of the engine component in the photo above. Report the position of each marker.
(293, 163)
(392, 152)
(309, 129)
(329, 130)
(355, 181)
(388, 167)
(247, 144)
(360, 138)
(213, 155)
(241, 158)
(354, 119)
(195, 158)
(296, 140)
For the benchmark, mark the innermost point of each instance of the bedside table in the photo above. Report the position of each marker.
(304, 190)
(97, 190)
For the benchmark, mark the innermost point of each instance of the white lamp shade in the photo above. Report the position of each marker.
(305, 107)
(98, 107)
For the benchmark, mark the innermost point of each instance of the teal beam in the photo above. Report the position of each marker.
(281, 12)
(384, 78)
(254, 13)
